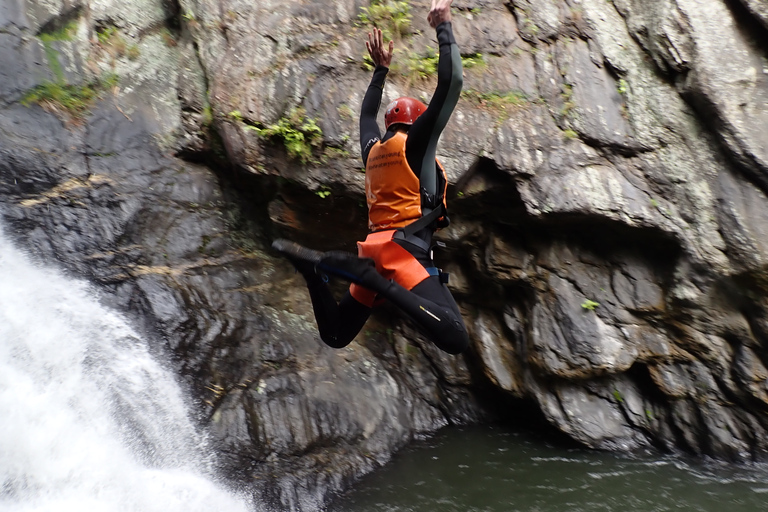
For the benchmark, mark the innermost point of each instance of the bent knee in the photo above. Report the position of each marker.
(455, 342)
(334, 341)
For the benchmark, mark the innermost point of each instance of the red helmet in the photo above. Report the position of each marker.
(403, 111)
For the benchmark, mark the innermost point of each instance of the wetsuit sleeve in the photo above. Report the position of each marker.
(369, 127)
(421, 145)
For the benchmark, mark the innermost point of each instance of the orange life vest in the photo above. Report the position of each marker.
(392, 190)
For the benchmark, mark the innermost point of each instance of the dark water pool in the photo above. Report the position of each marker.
(492, 469)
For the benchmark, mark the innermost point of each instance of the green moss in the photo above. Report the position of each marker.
(331, 153)
(133, 52)
(500, 103)
(392, 17)
(168, 38)
(207, 115)
(568, 104)
(570, 134)
(622, 86)
(115, 44)
(416, 66)
(590, 305)
(106, 34)
(52, 56)
(75, 100)
(368, 64)
(530, 27)
(475, 60)
(65, 33)
(345, 111)
(298, 133)
(496, 99)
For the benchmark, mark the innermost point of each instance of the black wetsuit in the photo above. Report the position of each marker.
(430, 303)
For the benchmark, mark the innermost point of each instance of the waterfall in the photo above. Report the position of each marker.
(89, 420)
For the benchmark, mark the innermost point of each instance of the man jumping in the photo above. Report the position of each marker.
(405, 190)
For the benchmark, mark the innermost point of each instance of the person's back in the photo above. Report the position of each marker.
(422, 125)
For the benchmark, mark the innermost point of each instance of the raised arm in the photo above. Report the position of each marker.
(421, 146)
(382, 57)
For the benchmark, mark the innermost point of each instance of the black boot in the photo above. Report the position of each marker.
(304, 260)
(349, 267)
(345, 265)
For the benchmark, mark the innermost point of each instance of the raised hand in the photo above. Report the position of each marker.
(375, 44)
(439, 12)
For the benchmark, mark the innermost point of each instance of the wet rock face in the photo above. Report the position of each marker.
(607, 167)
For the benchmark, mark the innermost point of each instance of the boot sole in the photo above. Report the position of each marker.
(296, 251)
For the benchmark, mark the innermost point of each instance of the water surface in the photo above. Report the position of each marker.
(493, 469)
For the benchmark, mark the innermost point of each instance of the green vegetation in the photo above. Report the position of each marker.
(622, 87)
(323, 193)
(475, 60)
(59, 96)
(331, 153)
(345, 111)
(106, 34)
(568, 103)
(617, 396)
(530, 27)
(570, 134)
(500, 103)
(496, 99)
(168, 38)
(65, 33)
(368, 63)
(298, 134)
(207, 115)
(115, 44)
(75, 100)
(589, 305)
(391, 16)
(415, 66)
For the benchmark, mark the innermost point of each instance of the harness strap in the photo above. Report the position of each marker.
(423, 222)
(413, 239)
(434, 271)
(408, 232)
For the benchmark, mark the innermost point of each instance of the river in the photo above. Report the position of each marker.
(89, 419)
(485, 469)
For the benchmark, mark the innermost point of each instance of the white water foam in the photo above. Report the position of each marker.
(89, 421)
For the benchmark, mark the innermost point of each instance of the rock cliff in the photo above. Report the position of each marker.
(608, 171)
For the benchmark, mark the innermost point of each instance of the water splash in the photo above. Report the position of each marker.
(88, 419)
